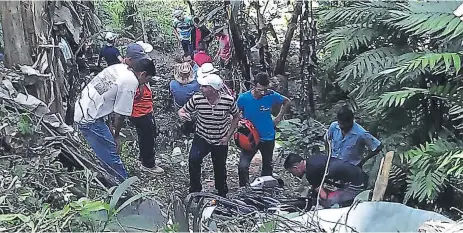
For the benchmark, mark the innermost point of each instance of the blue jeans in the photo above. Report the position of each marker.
(101, 140)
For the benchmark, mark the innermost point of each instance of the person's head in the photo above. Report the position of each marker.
(183, 73)
(134, 52)
(345, 118)
(201, 46)
(211, 84)
(110, 38)
(187, 58)
(295, 165)
(261, 85)
(178, 14)
(144, 69)
(196, 21)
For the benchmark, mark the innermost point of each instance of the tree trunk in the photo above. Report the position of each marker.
(30, 38)
(237, 40)
(14, 35)
(281, 62)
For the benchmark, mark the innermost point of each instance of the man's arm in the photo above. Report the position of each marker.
(284, 108)
(371, 154)
(118, 122)
(374, 146)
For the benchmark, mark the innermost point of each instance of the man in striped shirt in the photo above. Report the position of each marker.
(213, 130)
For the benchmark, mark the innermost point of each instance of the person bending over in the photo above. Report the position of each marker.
(349, 179)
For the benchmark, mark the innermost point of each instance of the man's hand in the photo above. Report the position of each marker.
(117, 140)
(277, 120)
(184, 115)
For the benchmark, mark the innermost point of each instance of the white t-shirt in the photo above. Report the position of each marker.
(112, 90)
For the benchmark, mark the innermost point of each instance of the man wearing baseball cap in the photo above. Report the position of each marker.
(213, 130)
(111, 91)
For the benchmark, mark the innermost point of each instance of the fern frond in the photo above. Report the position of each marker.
(429, 18)
(366, 64)
(349, 38)
(398, 98)
(369, 12)
(433, 61)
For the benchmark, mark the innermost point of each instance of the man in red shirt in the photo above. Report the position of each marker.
(201, 56)
(224, 50)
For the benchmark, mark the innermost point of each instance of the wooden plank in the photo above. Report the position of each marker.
(383, 177)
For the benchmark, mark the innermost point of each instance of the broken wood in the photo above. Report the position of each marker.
(383, 177)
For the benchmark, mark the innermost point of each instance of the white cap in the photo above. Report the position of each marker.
(212, 80)
(110, 36)
(146, 47)
(178, 13)
(205, 69)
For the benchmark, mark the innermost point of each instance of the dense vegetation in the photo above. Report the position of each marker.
(399, 64)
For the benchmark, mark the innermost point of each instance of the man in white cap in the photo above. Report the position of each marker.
(111, 91)
(213, 130)
(109, 52)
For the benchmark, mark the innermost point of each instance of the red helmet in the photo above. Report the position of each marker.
(246, 136)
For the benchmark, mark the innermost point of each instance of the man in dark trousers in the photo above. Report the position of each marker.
(256, 106)
(200, 34)
(213, 130)
(109, 52)
(349, 179)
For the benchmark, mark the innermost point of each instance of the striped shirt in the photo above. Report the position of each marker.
(212, 122)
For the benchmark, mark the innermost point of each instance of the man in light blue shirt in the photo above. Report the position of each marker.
(348, 139)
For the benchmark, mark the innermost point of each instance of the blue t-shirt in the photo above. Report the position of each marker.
(184, 27)
(110, 54)
(258, 111)
(351, 146)
(183, 92)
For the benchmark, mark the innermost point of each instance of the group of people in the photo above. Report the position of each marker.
(212, 112)
(195, 39)
(342, 167)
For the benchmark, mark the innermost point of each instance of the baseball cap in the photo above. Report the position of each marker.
(136, 52)
(212, 80)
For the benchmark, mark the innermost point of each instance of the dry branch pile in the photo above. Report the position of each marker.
(42, 159)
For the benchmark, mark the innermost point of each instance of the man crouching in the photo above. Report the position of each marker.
(349, 179)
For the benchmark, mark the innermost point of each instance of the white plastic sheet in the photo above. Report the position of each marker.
(371, 217)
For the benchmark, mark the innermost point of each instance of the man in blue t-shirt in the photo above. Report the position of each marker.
(183, 25)
(256, 106)
(109, 52)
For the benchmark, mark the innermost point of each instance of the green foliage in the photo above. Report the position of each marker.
(430, 166)
(404, 70)
(435, 62)
(300, 136)
(349, 38)
(429, 18)
(25, 126)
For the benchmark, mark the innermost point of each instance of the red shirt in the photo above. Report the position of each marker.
(201, 57)
(198, 37)
(142, 103)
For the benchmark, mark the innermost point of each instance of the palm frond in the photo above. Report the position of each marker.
(349, 38)
(367, 65)
(431, 163)
(435, 62)
(368, 12)
(429, 18)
